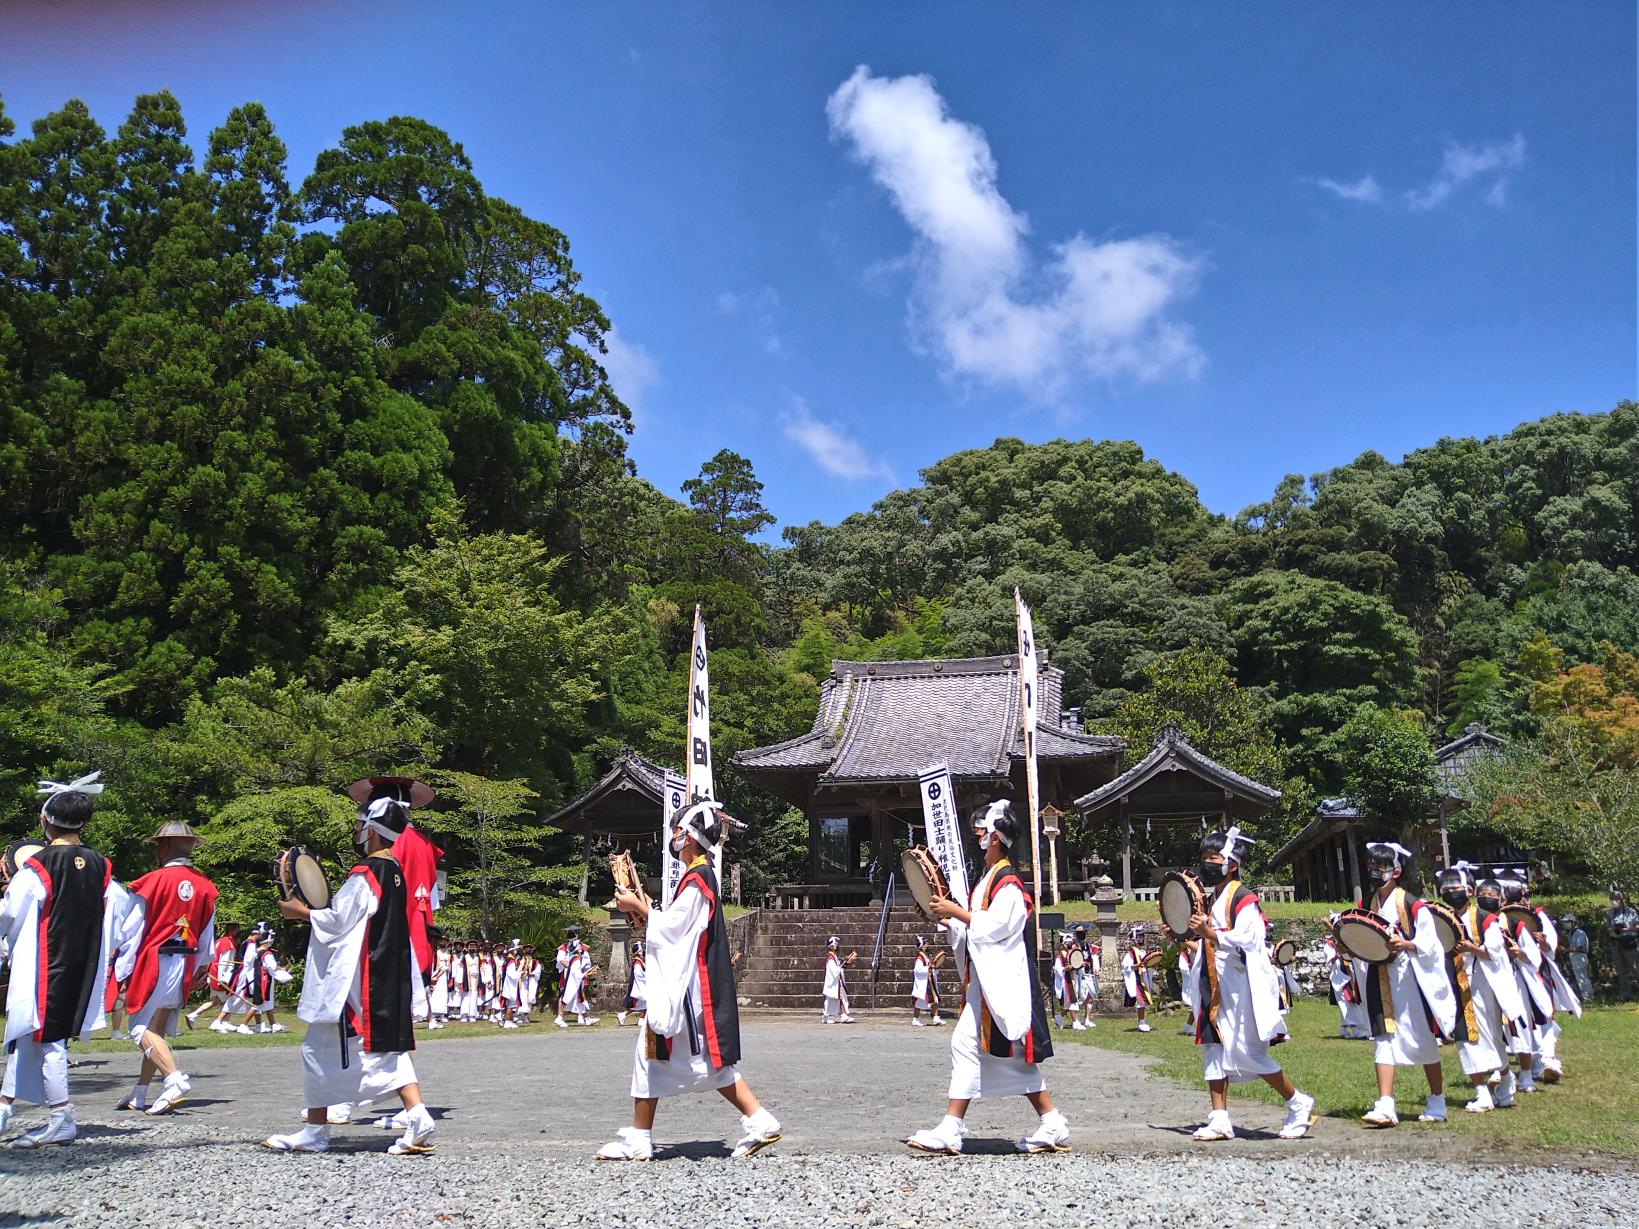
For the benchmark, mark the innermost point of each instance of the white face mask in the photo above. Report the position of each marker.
(677, 842)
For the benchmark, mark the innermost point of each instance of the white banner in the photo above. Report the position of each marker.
(944, 828)
(698, 769)
(675, 796)
(1029, 704)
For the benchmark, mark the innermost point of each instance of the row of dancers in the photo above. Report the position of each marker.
(363, 988)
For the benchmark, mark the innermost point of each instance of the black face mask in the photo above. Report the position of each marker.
(1488, 904)
(1457, 900)
(1378, 875)
(1212, 873)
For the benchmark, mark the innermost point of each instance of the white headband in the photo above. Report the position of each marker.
(694, 820)
(374, 812)
(87, 784)
(1402, 855)
(987, 821)
(1234, 842)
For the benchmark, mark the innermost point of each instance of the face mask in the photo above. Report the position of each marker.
(677, 843)
(1212, 873)
(1456, 900)
(1378, 875)
(1489, 904)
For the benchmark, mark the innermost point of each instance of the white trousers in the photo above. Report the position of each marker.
(682, 1072)
(974, 1074)
(37, 1071)
(365, 1077)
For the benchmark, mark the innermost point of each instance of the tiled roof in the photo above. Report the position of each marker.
(1453, 761)
(1174, 753)
(645, 779)
(888, 720)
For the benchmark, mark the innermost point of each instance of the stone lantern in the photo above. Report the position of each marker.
(1050, 816)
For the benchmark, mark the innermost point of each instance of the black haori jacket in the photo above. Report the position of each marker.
(1037, 1044)
(75, 880)
(721, 1013)
(384, 1019)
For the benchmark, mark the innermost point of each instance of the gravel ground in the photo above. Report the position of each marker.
(521, 1114)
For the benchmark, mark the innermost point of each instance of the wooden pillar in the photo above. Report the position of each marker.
(813, 837)
(585, 864)
(1354, 865)
(1445, 837)
(1126, 852)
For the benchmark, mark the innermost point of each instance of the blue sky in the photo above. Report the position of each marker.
(846, 240)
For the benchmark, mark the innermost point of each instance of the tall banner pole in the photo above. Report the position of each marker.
(1029, 699)
(698, 772)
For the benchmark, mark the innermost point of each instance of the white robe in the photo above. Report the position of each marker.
(332, 984)
(1249, 1015)
(672, 984)
(1565, 998)
(921, 983)
(640, 984)
(573, 998)
(1499, 1014)
(1340, 971)
(20, 926)
(441, 985)
(1413, 1043)
(835, 990)
(990, 952)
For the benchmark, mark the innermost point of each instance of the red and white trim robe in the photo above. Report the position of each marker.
(1236, 988)
(179, 914)
(63, 918)
(1408, 1001)
(690, 1039)
(362, 990)
(1002, 1034)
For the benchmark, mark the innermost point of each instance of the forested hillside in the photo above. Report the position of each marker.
(303, 478)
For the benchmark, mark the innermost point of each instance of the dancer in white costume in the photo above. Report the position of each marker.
(1236, 990)
(690, 1039)
(1002, 1033)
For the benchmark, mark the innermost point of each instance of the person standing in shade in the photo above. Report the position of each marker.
(1579, 954)
(1623, 922)
(1001, 1037)
(834, 992)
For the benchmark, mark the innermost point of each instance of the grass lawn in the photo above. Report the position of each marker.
(203, 1039)
(1147, 910)
(1590, 1109)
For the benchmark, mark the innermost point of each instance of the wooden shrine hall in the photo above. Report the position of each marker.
(1180, 787)
(879, 726)
(623, 809)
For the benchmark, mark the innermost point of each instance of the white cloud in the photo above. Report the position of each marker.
(761, 310)
(830, 447)
(1463, 163)
(1490, 163)
(981, 302)
(633, 371)
(1365, 189)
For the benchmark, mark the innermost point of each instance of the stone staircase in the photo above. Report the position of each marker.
(784, 961)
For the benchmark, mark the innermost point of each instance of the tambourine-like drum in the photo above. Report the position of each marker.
(1364, 935)
(299, 875)
(1446, 924)
(1181, 897)
(1286, 952)
(1077, 959)
(17, 853)
(1152, 960)
(923, 878)
(1524, 914)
